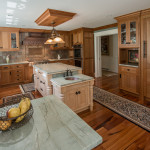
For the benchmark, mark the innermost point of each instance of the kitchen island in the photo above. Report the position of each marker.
(43, 73)
(53, 126)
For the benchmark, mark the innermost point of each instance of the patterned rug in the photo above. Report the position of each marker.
(132, 111)
(27, 87)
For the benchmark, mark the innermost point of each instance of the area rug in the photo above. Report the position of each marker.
(108, 73)
(18, 96)
(27, 87)
(132, 111)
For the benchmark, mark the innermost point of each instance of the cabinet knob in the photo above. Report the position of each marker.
(76, 93)
(128, 69)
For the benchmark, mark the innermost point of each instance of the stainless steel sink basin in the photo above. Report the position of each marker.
(71, 78)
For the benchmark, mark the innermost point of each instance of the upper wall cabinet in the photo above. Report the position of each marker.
(9, 41)
(66, 38)
(129, 30)
(77, 37)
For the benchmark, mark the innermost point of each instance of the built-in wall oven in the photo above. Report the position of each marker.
(78, 55)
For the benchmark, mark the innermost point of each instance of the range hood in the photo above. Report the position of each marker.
(34, 39)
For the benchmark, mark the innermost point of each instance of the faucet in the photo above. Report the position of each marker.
(67, 73)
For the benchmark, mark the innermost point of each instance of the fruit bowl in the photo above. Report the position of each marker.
(15, 113)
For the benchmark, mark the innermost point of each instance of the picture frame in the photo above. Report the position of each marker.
(105, 45)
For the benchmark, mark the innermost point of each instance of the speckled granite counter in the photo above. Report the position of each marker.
(60, 81)
(55, 67)
(14, 63)
(53, 127)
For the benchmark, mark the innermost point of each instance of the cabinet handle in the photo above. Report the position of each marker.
(144, 49)
(5, 67)
(127, 42)
(128, 69)
(43, 82)
(10, 72)
(41, 89)
(120, 75)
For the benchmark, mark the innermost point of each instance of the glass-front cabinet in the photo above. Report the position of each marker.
(14, 40)
(129, 33)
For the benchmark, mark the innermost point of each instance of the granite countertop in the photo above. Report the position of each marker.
(52, 68)
(60, 81)
(60, 59)
(54, 126)
(14, 63)
(129, 65)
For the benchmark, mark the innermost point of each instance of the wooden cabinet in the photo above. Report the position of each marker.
(66, 38)
(10, 74)
(9, 41)
(129, 79)
(145, 54)
(129, 30)
(88, 67)
(77, 96)
(4, 77)
(77, 37)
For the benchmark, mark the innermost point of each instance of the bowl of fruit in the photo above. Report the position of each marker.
(14, 114)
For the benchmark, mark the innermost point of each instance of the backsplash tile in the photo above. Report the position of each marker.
(18, 56)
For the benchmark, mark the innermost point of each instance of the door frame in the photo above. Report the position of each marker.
(97, 48)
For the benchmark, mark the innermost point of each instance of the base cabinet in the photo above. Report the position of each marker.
(129, 79)
(77, 96)
(10, 74)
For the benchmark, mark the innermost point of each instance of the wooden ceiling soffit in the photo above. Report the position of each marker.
(51, 15)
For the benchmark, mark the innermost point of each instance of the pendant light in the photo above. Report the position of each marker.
(54, 37)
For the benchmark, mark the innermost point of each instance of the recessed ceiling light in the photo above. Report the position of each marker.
(21, 6)
(10, 11)
(8, 23)
(24, 0)
(11, 4)
(9, 17)
(8, 20)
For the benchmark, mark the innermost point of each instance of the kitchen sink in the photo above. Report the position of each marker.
(71, 78)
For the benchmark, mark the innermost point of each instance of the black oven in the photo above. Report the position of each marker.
(78, 63)
(77, 51)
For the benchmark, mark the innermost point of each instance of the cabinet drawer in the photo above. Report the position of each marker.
(129, 69)
(6, 67)
(17, 66)
(19, 71)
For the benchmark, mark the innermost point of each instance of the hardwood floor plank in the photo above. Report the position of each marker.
(117, 132)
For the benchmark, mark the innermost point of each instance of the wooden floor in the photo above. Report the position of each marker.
(117, 132)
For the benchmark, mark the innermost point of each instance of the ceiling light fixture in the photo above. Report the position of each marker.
(54, 37)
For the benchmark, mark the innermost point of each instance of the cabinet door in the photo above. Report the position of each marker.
(134, 33)
(67, 40)
(146, 55)
(129, 80)
(14, 40)
(5, 40)
(71, 99)
(88, 47)
(5, 77)
(75, 38)
(88, 67)
(83, 97)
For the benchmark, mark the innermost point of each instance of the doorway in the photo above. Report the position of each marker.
(106, 52)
